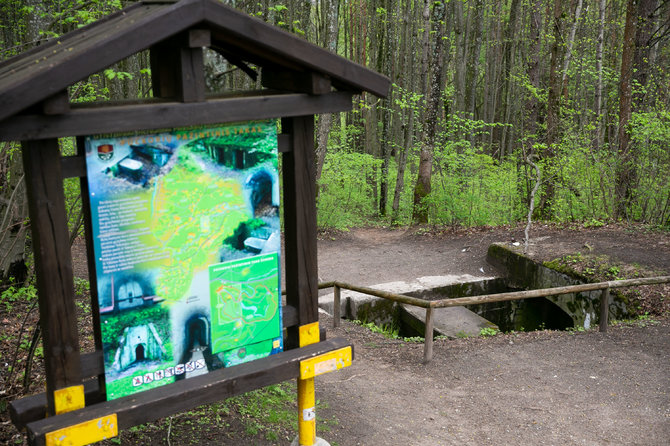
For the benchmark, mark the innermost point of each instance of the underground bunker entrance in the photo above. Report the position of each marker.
(520, 315)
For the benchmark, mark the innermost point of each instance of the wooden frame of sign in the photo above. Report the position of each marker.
(300, 80)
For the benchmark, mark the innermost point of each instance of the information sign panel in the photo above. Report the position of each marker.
(186, 240)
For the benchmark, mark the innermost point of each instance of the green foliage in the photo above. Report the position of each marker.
(345, 191)
(387, 330)
(82, 287)
(488, 331)
(114, 74)
(266, 408)
(15, 293)
(650, 133)
(473, 189)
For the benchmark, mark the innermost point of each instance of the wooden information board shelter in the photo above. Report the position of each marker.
(299, 80)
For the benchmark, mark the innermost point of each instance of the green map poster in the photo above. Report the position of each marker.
(186, 241)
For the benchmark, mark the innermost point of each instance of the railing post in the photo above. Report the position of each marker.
(604, 309)
(336, 306)
(428, 343)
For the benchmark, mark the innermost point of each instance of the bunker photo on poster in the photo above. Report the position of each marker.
(186, 238)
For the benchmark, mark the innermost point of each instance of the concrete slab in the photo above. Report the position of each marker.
(354, 305)
(453, 322)
(317, 442)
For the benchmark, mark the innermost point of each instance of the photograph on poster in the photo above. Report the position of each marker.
(186, 238)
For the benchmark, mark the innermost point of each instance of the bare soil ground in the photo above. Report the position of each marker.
(521, 388)
(518, 388)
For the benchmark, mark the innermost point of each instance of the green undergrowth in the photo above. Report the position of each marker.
(264, 416)
(390, 331)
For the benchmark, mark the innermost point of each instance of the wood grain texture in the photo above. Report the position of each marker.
(177, 69)
(57, 104)
(186, 394)
(301, 82)
(191, 75)
(53, 265)
(34, 407)
(32, 79)
(300, 222)
(50, 68)
(121, 118)
(260, 43)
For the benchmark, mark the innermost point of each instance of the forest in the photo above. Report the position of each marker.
(499, 110)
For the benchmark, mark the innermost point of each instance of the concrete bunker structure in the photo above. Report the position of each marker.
(138, 343)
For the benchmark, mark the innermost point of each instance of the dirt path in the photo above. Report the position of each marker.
(370, 256)
(527, 388)
(535, 388)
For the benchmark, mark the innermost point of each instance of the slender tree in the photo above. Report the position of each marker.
(435, 66)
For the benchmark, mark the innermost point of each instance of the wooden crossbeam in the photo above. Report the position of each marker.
(189, 393)
(146, 116)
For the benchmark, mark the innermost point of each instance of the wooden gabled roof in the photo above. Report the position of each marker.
(46, 70)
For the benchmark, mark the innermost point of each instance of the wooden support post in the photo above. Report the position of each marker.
(604, 309)
(336, 306)
(53, 266)
(177, 69)
(428, 342)
(299, 182)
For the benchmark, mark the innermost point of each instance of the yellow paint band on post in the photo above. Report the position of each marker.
(84, 433)
(68, 399)
(306, 412)
(308, 334)
(328, 362)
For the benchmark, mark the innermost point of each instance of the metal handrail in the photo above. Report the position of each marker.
(486, 298)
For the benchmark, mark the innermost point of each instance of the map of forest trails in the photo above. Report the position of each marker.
(245, 301)
(193, 212)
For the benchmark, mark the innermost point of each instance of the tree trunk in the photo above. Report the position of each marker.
(327, 38)
(460, 65)
(553, 114)
(571, 41)
(625, 166)
(423, 186)
(508, 62)
(641, 57)
(597, 140)
(13, 215)
(474, 59)
(402, 163)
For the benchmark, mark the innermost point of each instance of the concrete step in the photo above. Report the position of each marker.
(453, 322)
(364, 307)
